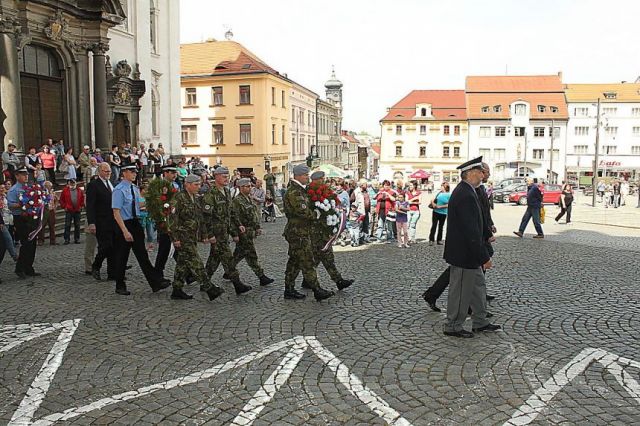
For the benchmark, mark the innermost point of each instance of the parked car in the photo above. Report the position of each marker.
(502, 195)
(509, 182)
(551, 195)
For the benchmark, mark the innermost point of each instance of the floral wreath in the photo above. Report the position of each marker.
(326, 203)
(158, 202)
(32, 201)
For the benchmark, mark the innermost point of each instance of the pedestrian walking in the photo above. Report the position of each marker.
(565, 203)
(413, 197)
(101, 222)
(466, 253)
(439, 204)
(534, 204)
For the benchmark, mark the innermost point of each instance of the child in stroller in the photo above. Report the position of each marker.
(268, 209)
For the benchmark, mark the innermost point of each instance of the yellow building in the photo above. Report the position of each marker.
(235, 108)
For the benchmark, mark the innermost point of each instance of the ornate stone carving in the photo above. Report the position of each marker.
(108, 67)
(9, 25)
(136, 71)
(78, 47)
(99, 48)
(123, 69)
(123, 95)
(57, 26)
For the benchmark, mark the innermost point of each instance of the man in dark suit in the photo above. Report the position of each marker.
(466, 253)
(100, 220)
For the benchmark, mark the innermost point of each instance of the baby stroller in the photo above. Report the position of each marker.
(268, 210)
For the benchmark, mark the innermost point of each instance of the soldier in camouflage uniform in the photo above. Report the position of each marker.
(185, 229)
(245, 219)
(216, 204)
(320, 233)
(297, 208)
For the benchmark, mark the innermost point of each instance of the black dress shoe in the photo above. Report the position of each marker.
(462, 333)
(490, 298)
(294, 295)
(305, 284)
(241, 288)
(179, 294)
(123, 291)
(214, 292)
(488, 327)
(342, 284)
(265, 280)
(321, 294)
(88, 273)
(21, 275)
(161, 285)
(33, 274)
(96, 274)
(433, 306)
(76, 242)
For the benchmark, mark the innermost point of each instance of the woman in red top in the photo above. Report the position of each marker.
(413, 197)
(48, 163)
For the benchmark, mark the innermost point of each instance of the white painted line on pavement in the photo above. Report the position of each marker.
(40, 385)
(355, 386)
(15, 335)
(279, 377)
(166, 385)
(540, 399)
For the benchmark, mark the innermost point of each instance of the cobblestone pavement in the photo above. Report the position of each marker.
(373, 354)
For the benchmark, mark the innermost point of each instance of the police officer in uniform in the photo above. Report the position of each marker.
(320, 234)
(129, 234)
(186, 229)
(23, 225)
(245, 220)
(297, 208)
(216, 204)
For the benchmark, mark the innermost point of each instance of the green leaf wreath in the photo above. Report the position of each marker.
(158, 202)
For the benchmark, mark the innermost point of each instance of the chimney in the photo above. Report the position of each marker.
(560, 76)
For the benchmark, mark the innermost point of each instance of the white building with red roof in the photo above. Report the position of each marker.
(426, 130)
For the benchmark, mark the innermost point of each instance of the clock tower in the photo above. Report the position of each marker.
(334, 90)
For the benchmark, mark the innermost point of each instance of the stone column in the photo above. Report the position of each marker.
(100, 118)
(84, 108)
(10, 93)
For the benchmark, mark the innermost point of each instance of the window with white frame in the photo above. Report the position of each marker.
(190, 96)
(423, 151)
(485, 153)
(609, 149)
(499, 154)
(398, 129)
(538, 154)
(636, 131)
(216, 95)
(484, 109)
(611, 131)
(556, 132)
(581, 130)
(538, 132)
(542, 108)
(485, 131)
(398, 150)
(497, 108)
(501, 131)
(556, 154)
(423, 129)
(245, 134)
(445, 151)
(218, 134)
(635, 111)
(610, 111)
(245, 95)
(189, 134)
(520, 109)
(456, 152)
(635, 150)
(445, 130)
(581, 112)
(580, 149)
(519, 132)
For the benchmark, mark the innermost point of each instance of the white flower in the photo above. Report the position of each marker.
(165, 205)
(326, 201)
(32, 193)
(329, 221)
(31, 202)
(333, 203)
(335, 230)
(24, 207)
(317, 204)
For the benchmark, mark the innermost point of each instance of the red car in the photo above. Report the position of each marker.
(550, 195)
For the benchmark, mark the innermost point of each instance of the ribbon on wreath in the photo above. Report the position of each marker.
(35, 233)
(341, 226)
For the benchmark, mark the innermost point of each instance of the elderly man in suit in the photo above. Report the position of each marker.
(100, 220)
(466, 253)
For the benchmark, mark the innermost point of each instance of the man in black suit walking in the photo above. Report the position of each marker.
(466, 253)
(100, 220)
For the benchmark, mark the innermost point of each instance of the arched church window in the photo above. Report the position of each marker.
(39, 60)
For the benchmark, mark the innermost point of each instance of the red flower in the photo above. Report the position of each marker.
(310, 192)
(163, 198)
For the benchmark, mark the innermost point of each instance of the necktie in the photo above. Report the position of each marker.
(133, 203)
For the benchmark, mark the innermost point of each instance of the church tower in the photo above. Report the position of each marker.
(334, 90)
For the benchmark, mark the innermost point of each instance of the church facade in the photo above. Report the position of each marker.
(92, 73)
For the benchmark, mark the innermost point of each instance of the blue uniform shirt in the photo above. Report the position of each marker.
(13, 197)
(121, 199)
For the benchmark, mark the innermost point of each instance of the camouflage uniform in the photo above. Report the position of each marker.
(185, 225)
(216, 204)
(243, 213)
(297, 208)
(320, 234)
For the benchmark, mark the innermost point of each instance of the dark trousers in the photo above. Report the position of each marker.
(435, 291)
(52, 176)
(122, 249)
(24, 226)
(437, 222)
(50, 222)
(105, 238)
(564, 210)
(364, 233)
(164, 247)
(75, 218)
(531, 213)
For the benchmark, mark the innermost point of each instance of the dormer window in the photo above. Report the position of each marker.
(519, 109)
(542, 108)
(497, 108)
(423, 112)
(553, 108)
(610, 95)
(485, 109)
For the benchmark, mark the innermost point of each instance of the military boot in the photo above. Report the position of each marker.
(241, 287)
(265, 280)
(179, 294)
(342, 283)
(226, 276)
(293, 294)
(214, 291)
(305, 284)
(321, 294)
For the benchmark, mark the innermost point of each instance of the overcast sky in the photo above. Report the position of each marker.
(384, 49)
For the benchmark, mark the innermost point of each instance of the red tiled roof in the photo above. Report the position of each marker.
(349, 137)
(445, 105)
(376, 148)
(514, 84)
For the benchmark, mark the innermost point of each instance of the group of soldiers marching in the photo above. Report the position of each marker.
(215, 218)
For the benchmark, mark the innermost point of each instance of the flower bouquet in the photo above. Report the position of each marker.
(327, 208)
(158, 202)
(32, 201)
